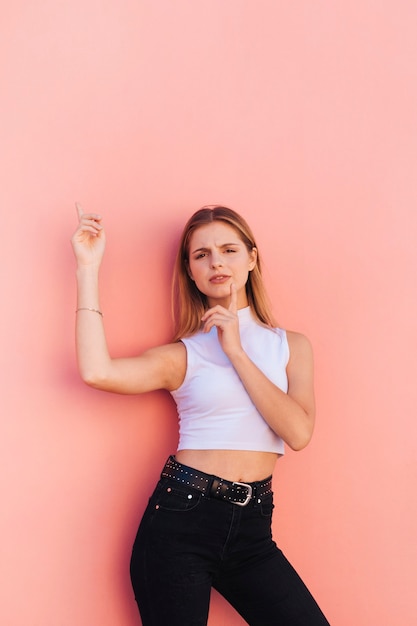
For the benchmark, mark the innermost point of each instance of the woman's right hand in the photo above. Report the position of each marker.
(89, 239)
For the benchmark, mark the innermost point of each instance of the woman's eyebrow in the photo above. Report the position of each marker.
(200, 250)
(223, 245)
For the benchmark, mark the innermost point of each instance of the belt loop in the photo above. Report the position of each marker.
(215, 487)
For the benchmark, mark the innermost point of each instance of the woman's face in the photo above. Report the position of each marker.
(218, 258)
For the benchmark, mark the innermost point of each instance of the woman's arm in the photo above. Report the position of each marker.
(290, 415)
(160, 367)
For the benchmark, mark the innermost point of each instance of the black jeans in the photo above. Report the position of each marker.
(188, 542)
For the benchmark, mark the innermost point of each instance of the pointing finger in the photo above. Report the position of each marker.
(85, 217)
(79, 210)
(233, 298)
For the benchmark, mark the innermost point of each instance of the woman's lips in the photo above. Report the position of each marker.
(219, 278)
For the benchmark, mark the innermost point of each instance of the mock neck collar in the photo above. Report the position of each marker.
(245, 315)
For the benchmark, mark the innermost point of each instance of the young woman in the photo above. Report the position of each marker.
(242, 387)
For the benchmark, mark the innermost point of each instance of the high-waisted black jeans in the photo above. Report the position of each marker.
(188, 543)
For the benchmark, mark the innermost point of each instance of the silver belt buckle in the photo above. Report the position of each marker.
(248, 497)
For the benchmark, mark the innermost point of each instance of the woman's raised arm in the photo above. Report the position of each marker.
(160, 367)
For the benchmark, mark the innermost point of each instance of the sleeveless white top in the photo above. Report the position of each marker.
(215, 411)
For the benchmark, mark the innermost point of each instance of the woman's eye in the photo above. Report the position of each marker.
(230, 250)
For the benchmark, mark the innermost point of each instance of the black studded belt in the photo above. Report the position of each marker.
(215, 487)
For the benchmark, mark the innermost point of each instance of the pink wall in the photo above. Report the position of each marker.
(302, 116)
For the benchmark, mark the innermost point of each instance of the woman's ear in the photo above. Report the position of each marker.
(253, 257)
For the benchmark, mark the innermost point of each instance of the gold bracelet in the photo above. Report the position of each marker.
(85, 308)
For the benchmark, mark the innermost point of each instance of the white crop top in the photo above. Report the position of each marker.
(215, 411)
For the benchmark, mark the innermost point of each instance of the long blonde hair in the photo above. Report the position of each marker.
(188, 303)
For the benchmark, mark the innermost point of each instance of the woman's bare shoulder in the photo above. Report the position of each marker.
(298, 340)
(171, 358)
(300, 348)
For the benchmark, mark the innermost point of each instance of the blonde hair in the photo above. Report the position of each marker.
(188, 303)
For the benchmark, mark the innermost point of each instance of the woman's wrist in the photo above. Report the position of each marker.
(89, 270)
(89, 308)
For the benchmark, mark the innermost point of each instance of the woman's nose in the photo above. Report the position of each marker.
(216, 262)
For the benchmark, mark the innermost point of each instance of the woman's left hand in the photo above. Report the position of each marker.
(227, 323)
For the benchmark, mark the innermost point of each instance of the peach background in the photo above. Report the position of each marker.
(302, 116)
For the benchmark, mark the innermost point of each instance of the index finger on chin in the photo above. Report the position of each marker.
(233, 298)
